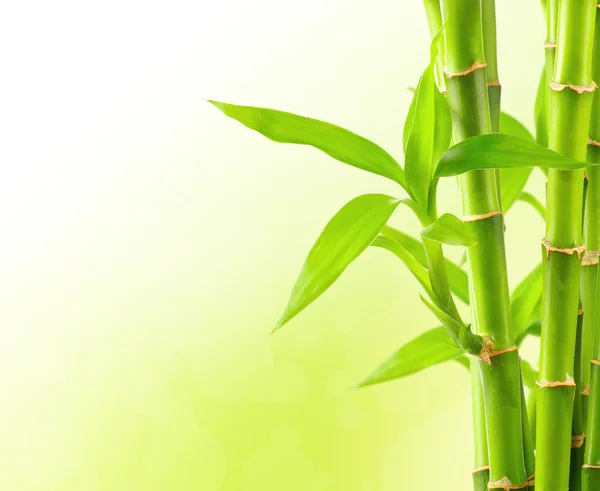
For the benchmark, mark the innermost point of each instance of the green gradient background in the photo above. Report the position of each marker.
(149, 245)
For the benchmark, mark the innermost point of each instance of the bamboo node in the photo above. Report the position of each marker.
(586, 390)
(507, 485)
(551, 384)
(570, 250)
(580, 89)
(483, 468)
(548, 45)
(483, 216)
(577, 441)
(531, 480)
(591, 141)
(589, 466)
(595, 362)
(474, 67)
(494, 83)
(580, 312)
(590, 258)
(488, 352)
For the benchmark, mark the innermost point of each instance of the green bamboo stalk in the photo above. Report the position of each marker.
(577, 428)
(481, 467)
(570, 108)
(528, 443)
(589, 283)
(466, 82)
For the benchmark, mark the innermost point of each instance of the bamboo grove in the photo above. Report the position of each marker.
(534, 427)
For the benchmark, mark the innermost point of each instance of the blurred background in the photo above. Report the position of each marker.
(149, 245)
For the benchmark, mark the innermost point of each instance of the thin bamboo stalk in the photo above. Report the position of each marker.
(570, 108)
(577, 428)
(590, 277)
(466, 82)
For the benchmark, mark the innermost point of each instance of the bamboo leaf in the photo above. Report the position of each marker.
(450, 230)
(460, 334)
(533, 329)
(533, 201)
(541, 112)
(414, 266)
(457, 277)
(347, 234)
(337, 142)
(499, 151)
(428, 349)
(524, 299)
(528, 374)
(430, 131)
(463, 361)
(512, 181)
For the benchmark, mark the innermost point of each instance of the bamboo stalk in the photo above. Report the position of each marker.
(577, 428)
(570, 103)
(466, 82)
(591, 334)
(481, 463)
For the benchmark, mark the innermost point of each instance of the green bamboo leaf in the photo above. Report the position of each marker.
(533, 201)
(457, 277)
(541, 113)
(510, 125)
(512, 181)
(337, 142)
(533, 329)
(430, 131)
(450, 230)
(414, 266)
(524, 300)
(347, 234)
(428, 349)
(408, 122)
(460, 334)
(463, 361)
(528, 374)
(499, 151)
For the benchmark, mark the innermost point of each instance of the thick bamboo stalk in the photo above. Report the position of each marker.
(570, 103)
(591, 334)
(466, 82)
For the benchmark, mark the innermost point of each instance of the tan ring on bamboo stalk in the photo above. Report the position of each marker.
(580, 89)
(551, 384)
(483, 468)
(595, 362)
(478, 65)
(586, 390)
(589, 466)
(548, 45)
(591, 141)
(506, 485)
(488, 352)
(580, 312)
(570, 250)
(590, 258)
(577, 441)
(531, 479)
(494, 83)
(474, 218)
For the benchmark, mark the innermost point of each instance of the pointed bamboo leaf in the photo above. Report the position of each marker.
(499, 151)
(408, 122)
(337, 142)
(429, 134)
(526, 296)
(512, 181)
(428, 349)
(450, 230)
(414, 266)
(533, 201)
(457, 277)
(528, 374)
(348, 233)
(463, 361)
(460, 334)
(541, 116)
(533, 329)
